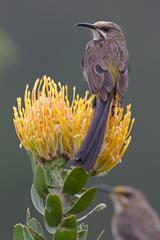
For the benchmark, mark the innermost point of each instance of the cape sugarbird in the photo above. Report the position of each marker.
(105, 67)
(133, 218)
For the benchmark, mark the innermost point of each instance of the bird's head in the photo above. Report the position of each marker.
(124, 196)
(103, 29)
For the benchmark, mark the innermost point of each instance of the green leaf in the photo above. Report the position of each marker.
(35, 229)
(49, 229)
(28, 216)
(18, 232)
(82, 231)
(27, 234)
(33, 223)
(55, 172)
(75, 181)
(39, 181)
(83, 202)
(67, 229)
(53, 210)
(37, 200)
(99, 207)
(82, 235)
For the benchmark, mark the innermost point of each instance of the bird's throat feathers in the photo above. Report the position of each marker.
(98, 34)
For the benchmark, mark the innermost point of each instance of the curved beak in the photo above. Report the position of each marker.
(105, 188)
(88, 25)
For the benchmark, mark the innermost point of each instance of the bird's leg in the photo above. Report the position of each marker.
(94, 102)
(113, 105)
(120, 101)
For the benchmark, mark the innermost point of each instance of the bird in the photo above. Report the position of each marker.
(134, 218)
(105, 66)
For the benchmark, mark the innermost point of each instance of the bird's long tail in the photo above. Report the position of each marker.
(93, 141)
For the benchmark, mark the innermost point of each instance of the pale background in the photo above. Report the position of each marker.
(38, 37)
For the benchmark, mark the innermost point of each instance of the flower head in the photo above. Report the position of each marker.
(49, 125)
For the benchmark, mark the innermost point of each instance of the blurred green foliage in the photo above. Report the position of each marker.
(9, 52)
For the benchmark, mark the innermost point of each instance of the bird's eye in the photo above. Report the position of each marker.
(105, 29)
(127, 195)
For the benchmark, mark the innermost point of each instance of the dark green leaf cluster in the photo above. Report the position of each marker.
(58, 195)
(31, 231)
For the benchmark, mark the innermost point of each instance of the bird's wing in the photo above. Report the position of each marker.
(122, 83)
(96, 73)
(124, 230)
(140, 225)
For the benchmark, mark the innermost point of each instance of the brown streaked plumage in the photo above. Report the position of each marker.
(105, 68)
(134, 218)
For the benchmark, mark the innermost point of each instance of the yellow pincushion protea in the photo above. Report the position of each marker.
(50, 126)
